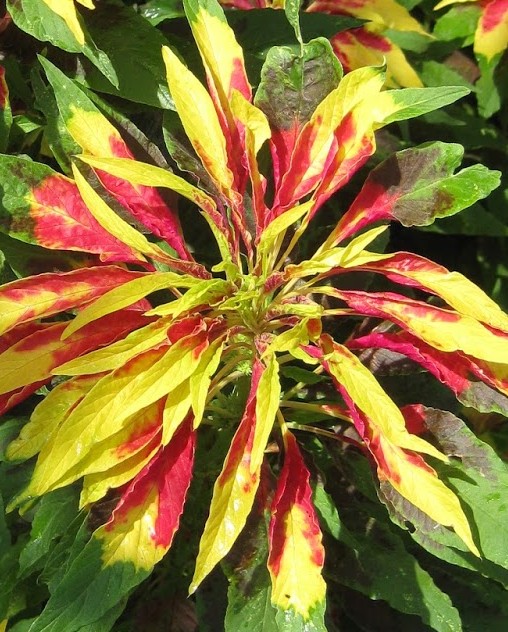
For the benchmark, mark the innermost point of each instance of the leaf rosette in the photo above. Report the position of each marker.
(138, 376)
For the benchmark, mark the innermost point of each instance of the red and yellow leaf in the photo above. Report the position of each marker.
(491, 37)
(460, 293)
(441, 328)
(383, 428)
(296, 553)
(315, 144)
(233, 492)
(92, 131)
(200, 121)
(224, 64)
(51, 293)
(385, 13)
(364, 46)
(33, 358)
(143, 524)
(62, 221)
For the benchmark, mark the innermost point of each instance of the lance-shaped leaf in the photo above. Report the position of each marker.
(123, 552)
(225, 73)
(51, 293)
(472, 382)
(224, 64)
(253, 129)
(98, 484)
(40, 206)
(400, 105)
(353, 143)
(291, 88)
(141, 173)
(48, 416)
(112, 401)
(115, 355)
(67, 11)
(394, 448)
(146, 518)
(200, 121)
(234, 489)
(126, 233)
(366, 47)
(365, 392)
(33, 358)
(491, 37)
(441, 328)
(140, 434)
(5, 111)
(416, 186)
(387, 13)
(313, 146)
(460, 293)
(37, 19)
(92, 131)
(127, 294)
(296, 554)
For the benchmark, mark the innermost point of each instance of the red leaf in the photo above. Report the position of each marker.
(50, 293)
(63, 222)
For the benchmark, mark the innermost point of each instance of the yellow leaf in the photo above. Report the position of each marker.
(126, 295)
(97, 485)
(233, 496)
(113, 223)
(206, 293)
(178, 404)
(221, 54)
(48, 416)
(115, 355)
(252, 118)
(296, 555)
(282, 223)
(201, 378)
(371, 399)
(199, 119)
(420, 485)
(267, 405)
(114, 399)
(67, 11)
(93, 132)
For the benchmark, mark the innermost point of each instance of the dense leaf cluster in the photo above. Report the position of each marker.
(234, 362)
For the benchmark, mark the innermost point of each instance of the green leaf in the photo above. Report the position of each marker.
(249, 594)
(479, 479)
(435, 74)
(419, 185)
(39, 21)
(292, 85)
(459, 23)
(292, 10)
(88, 595)
(9, 430)
(128, 38)
(411, 102)
(52, 518)
(60, 142)
(379, 566)
(156, 11)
